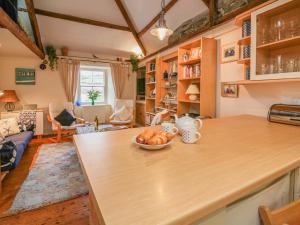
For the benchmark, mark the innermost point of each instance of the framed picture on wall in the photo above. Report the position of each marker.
(229, 90)
(25, 76)
(229, 53)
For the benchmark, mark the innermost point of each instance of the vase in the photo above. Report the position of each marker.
(93, 102)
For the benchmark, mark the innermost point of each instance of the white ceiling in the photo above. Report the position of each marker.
(11, 46)
(97, 40)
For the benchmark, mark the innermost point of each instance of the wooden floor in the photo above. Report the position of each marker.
(69, 212)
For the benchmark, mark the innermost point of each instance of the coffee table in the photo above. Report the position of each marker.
(91, 128)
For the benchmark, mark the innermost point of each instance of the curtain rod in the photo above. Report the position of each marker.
(94, 60)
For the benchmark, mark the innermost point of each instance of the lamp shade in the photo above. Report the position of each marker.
(9, 96)
(1, 93)
(192, 90)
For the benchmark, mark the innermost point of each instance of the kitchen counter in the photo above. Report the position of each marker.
(183, 183)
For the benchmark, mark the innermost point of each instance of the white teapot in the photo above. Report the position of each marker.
(187, 123)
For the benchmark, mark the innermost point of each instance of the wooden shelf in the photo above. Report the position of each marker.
(245, 41)
(289, 42)
(170, 57)
(150, 98)
(190, 79)
(244, 61)
(151, 113)
(151, 83)
(248, 82)
(191, 62)
(189, 101)
(151, 72)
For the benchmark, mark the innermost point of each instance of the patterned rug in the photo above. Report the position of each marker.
(55, 177)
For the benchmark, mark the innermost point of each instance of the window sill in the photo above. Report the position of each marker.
(100, 104)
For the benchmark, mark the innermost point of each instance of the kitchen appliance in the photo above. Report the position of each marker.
(283, 113)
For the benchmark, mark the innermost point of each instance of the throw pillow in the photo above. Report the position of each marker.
(123, 114)
(8, 154)
(65, 118)
(9, 126)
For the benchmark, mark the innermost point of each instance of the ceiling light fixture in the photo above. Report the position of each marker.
(161, 30)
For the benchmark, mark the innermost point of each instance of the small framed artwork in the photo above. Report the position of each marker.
(229, 53)
(229, 90)
(195, 53)
(25, 76)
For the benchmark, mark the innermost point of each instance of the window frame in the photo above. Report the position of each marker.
(105, 72)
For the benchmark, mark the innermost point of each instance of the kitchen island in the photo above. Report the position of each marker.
(187, 184)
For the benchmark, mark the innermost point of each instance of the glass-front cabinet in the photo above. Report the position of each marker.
(275, 50)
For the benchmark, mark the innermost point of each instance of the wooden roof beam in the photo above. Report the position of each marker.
(206, 2)
(131, 26)
(34, 24)
(156, 18)
(15, 29)
(80, 20)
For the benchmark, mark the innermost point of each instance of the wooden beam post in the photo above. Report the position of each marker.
(15, 29)
(34, 24)
(206, 2)
(131, 26)
(156, 18)
(80, 20)
(212, 11)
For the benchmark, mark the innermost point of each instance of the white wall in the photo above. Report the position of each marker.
(48, 86)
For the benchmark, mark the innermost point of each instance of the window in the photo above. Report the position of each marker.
(92, 79)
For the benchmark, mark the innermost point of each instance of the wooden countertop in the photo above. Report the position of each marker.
(183, 183)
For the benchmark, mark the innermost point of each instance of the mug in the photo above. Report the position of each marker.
(190, 136)
(169, 127)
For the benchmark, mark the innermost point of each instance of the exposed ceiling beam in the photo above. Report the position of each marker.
(34, 24)
(211, 11)
(15, 29)
(80, 20)
(130, 24)
(254, 4)
(156, 18)
(206, 2)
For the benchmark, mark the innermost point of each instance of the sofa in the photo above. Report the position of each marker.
(21, 141)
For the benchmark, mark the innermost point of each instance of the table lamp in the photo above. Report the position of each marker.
(193, 91)
(9, 97)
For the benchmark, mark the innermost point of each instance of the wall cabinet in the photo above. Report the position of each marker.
(275, 41)
(140, 113)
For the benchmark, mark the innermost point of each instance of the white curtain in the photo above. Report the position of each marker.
(69, 71)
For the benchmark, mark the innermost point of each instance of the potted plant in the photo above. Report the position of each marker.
(93, 95)
(134, 60)
(51, 52)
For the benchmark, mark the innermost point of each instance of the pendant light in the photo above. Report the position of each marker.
(161, 30)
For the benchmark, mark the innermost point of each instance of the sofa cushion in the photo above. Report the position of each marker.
(65, 118)
(9, 126)
(8, 153)
(21, 140)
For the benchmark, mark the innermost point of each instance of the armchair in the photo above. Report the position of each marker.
(123, 113)
(58, 129)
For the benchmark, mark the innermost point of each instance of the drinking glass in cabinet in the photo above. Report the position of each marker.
(279, 26)
(290, 66)
(293, 28)
(279, 65)
(264, 69)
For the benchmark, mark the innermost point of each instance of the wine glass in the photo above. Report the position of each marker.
(279, 26)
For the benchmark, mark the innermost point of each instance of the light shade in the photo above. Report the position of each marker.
(9, 96)
(1, 93)
(161, 30)
(192, 90)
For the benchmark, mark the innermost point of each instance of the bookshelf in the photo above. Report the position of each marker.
(197, 65)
